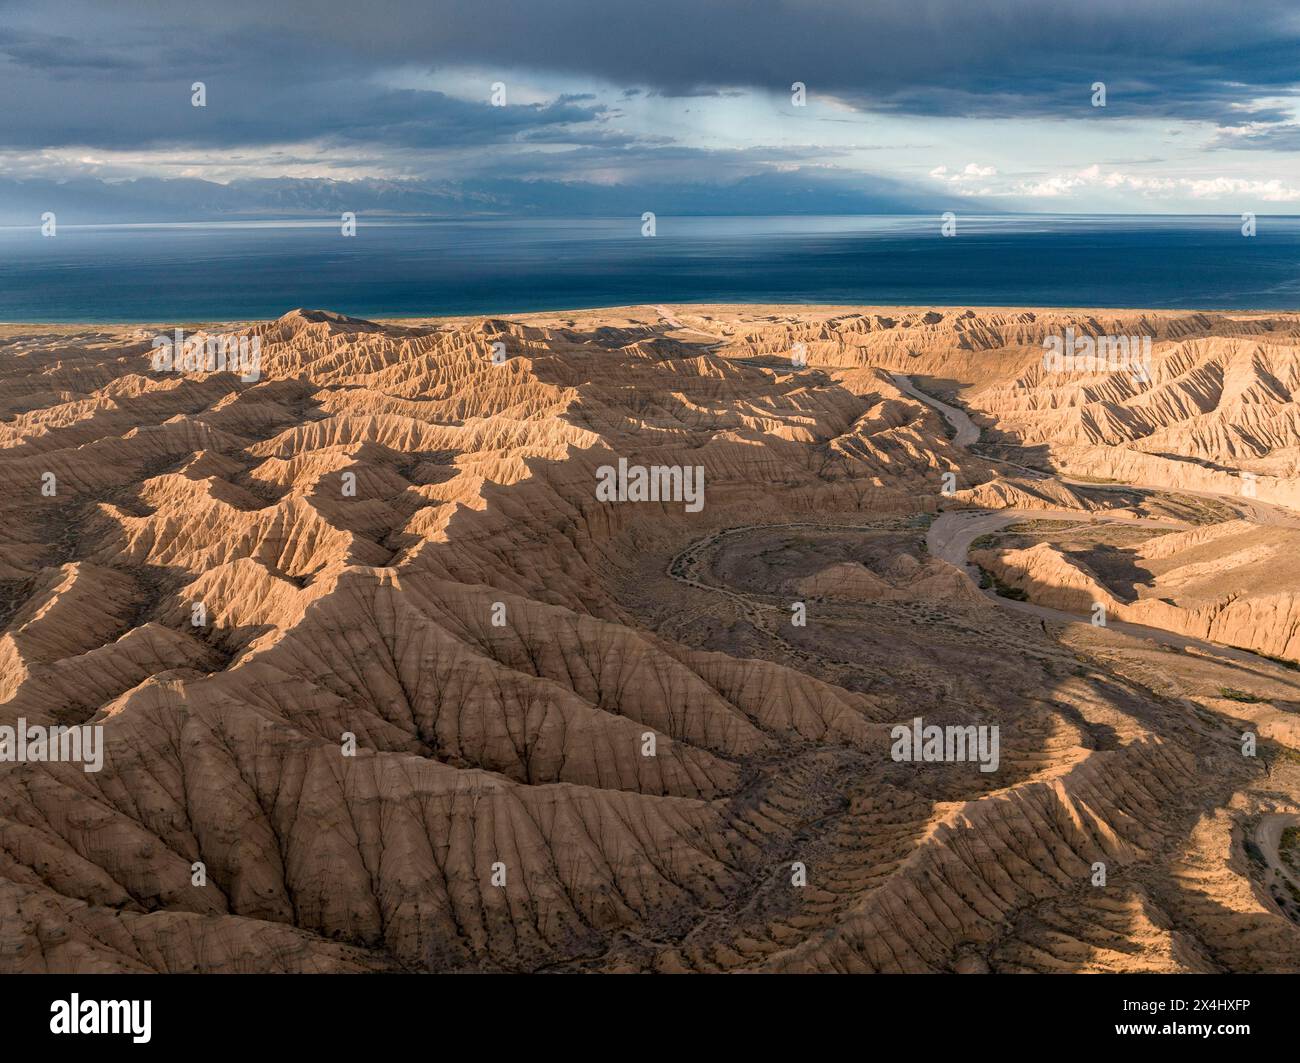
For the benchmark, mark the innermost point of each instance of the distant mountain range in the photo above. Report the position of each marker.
(94, 201)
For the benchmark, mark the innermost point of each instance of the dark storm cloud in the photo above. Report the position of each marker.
(142, 100)
(873, 48)
(116, 74)
(58, 55)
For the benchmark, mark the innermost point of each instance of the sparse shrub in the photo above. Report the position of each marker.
(1232, 694)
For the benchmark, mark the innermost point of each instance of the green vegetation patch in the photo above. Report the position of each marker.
(1232, 694)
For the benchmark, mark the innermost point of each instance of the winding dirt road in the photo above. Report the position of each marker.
(968, 433)
(954, 531)
(1268, 837)
(671, 321)
(684, 567)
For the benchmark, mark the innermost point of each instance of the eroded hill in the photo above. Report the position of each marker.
(386, 682)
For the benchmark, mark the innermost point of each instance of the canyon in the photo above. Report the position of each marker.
(387, 683)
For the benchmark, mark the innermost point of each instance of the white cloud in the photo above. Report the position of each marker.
(971, 172)
(1092, 178)
(1273, 191)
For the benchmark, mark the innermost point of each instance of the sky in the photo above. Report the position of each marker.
(580, 106)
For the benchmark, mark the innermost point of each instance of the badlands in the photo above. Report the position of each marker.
(386, 685)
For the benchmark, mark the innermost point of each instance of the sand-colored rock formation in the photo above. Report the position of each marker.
(385, 683)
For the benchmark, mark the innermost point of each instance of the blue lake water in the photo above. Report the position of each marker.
(240, 270)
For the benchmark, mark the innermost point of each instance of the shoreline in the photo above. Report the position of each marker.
(570, 311)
